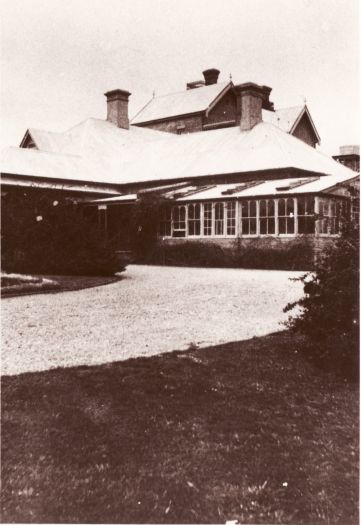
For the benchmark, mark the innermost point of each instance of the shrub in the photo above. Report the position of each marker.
(328, 313)
(206, 254)
(48, 234)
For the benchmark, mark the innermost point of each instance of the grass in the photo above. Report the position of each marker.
(248, 431)
(19, 284)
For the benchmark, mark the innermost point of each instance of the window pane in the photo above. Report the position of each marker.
(245, 209)
(290, 225)
(271, 208)
(281, 207)
(263, 208)
(271, 226)
(263, 226)
(253, 227)
(253, 209)
(290, 207)
(301, 202)
(282, 225)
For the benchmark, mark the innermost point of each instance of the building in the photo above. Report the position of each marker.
(349, 156)
(230, 168)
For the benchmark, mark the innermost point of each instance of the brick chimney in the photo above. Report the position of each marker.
(210, 76)
(251, 98)
(117, 107)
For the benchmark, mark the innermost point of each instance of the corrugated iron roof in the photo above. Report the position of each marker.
(283, 118)
(267, 188)
(97, 151)
(181, 103)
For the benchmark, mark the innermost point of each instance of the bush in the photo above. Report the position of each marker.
(328, 313)
(197, 253)
(48, 234)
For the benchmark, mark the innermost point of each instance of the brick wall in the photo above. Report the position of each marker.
(188, 125)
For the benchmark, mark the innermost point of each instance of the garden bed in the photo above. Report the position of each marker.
(13, 285)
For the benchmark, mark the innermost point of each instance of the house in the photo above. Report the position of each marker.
(229, 167)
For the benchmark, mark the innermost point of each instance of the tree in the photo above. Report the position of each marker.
(46, 233)
(328, 313)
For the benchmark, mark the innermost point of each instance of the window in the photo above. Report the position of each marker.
(231, 218)
(219, 218)
(249, 218)
(306, 217)
(328, 224)
(165, 229)
(267, 217)
(207, 219)
(179, 221)
(194, 219)
(286, 216)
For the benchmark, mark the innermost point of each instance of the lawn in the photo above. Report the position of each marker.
(247, 430)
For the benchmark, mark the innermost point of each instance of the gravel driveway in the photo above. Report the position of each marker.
(152, 310)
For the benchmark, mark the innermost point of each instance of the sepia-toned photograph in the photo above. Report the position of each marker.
(180, 261)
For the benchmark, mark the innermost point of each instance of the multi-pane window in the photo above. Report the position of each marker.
(257, 217)
(207, 219)
(165, 229)
(305, 213)
(219, 218)
(249, 217)
(267, 217)
(231, 218)
(286, 216)
(179, 221)
(328, 223)
(194, 219)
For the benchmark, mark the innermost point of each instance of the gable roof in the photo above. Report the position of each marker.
(287, 119)
(97, 151)
(181, 103)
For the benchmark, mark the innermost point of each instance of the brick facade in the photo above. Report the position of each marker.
(186, 124)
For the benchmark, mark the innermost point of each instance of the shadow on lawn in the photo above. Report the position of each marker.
(246, 430)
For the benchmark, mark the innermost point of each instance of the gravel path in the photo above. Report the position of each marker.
(152, 310)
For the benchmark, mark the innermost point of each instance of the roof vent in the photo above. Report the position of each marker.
(195, 84)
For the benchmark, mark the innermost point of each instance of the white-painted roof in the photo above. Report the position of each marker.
(285, 187)
(181, 103)
(131, 197)
(99, 152)
(283, 118)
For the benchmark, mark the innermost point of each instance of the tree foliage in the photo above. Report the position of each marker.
(328, 313)
(46, 233)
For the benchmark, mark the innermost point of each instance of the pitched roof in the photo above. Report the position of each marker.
(181, 103)
(287, 119)
(99, 152)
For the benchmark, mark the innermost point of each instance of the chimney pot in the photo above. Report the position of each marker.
(210, 76)
(117, 107)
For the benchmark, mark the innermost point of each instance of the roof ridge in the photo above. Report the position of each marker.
(191, 90)
(291, 107)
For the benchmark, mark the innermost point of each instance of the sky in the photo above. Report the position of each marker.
(59, 57)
